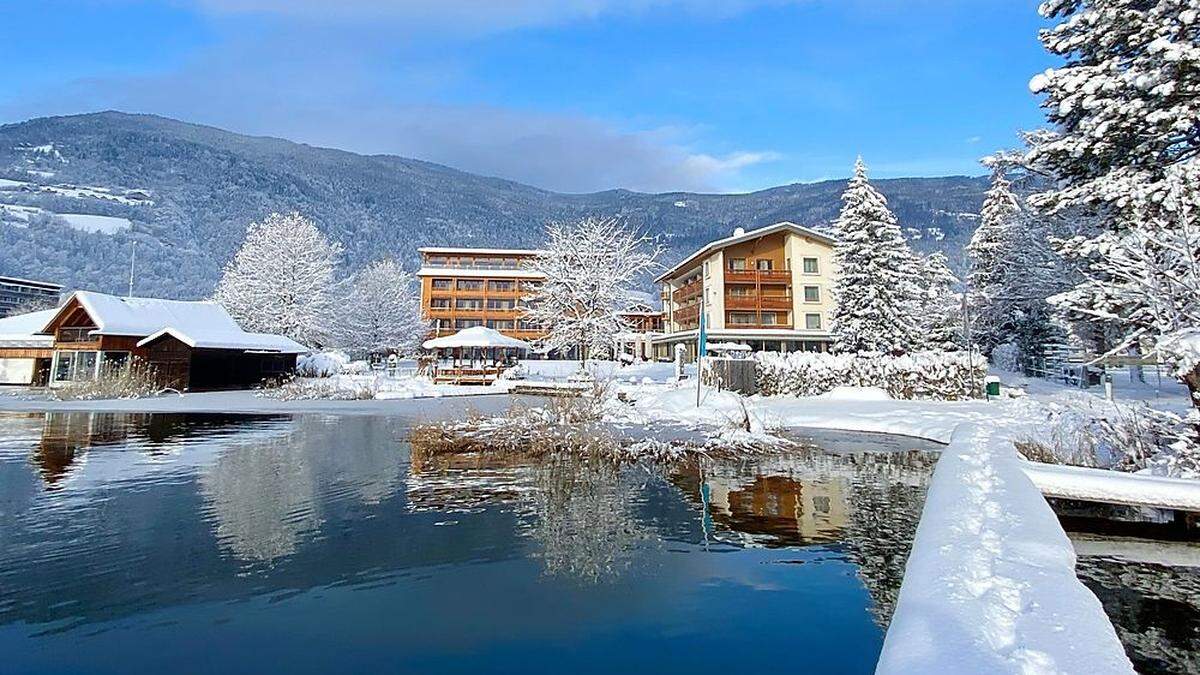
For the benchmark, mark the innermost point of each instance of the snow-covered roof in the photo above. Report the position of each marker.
(479, 251)
(48, 285)
(479, 336)
(23, 330)
(138, 317)
(738, 238)
(727, 347)
(239, 339)
(199, 324)
(478, 273)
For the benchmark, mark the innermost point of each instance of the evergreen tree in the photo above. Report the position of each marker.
(987, 251)
(940, 309)
(877, 286)
(281, 279)
(1124, 147)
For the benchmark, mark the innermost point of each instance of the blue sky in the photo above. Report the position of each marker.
(572, 95)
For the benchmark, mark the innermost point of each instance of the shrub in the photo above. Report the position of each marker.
(137, 379)
(944, 376)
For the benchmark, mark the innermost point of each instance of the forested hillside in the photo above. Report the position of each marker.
(76, 193)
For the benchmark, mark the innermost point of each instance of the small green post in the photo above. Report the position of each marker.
(992, 386)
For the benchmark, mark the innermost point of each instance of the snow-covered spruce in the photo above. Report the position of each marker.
(945, 376)
(939, 305)
(281, 280)
(878, 285)
(1013, 271)
(1124, 146)
(380, 311)
(591, 269)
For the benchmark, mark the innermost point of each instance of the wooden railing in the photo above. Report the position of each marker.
(687, 291)
(758, 276)
(758, 302)
(76, 334)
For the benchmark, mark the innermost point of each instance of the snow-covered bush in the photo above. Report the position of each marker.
(322, 390)
(1086, 430)
(943, 376)
(322, 364)
(1007, 357)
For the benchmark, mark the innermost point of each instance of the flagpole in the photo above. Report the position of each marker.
(700, 337)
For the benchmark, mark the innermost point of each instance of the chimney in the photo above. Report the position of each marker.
(739, 231)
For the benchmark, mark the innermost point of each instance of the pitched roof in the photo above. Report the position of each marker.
(23, 330)
(199, 324)
(745, 236)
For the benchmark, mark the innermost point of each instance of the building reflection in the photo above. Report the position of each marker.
(867, 504)
(66, 437)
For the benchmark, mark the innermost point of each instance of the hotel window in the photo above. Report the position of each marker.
(439, 303)
(500, 324)
(812, 321)
(467, 323)
(811, 266)
(502, 286)
(441, 284)
(771, 319)
(438, 261)
(741, 291)
(741, 318)
(812, 293)
(469, 285)
(469, 304)
(501, 304)
(765, 265)
(737, 264)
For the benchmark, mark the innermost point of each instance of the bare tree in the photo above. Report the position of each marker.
(591, 267)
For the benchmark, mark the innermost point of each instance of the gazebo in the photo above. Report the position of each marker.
(458, 355)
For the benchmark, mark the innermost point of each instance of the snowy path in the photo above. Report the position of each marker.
(990, 585)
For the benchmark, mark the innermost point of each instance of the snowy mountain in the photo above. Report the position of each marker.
(76, 191)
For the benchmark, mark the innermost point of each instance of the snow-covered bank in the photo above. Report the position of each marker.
(990, 585)
(247, 402)
(1114, 487)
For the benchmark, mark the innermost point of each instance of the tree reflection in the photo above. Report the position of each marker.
(583, 517)
(1155, 609)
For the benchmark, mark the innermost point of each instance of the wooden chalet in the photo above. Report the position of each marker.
(189, 345)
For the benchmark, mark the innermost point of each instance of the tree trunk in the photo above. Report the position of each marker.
(1192, 380)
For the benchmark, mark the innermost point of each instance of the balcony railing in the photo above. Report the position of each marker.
(76, 334)
(758, 276)
(758, 302)
(687, 314)
(687, 291)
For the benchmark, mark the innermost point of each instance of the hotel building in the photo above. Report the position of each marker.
(17, 294)
(468, 287)
(768, 288)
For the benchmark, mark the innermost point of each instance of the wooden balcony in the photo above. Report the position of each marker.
(687, 292)
(756, 302)
(687, 314)
(758, 276)
(758, 326)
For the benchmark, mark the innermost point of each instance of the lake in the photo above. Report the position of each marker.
(316, 543)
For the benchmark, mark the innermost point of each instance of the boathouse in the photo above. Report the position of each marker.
(189, 345)
(25, 354)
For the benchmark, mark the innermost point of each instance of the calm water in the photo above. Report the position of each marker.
(166, 543)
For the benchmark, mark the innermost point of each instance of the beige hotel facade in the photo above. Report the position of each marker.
(769, 288)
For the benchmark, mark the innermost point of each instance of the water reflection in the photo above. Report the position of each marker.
(585, 513)
(176, 526)
(1151, 592)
